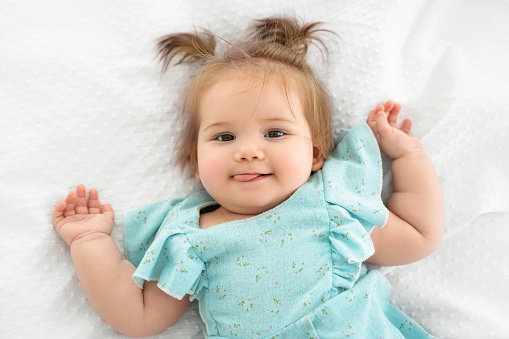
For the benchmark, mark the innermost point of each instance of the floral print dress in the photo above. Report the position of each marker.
(295, 271)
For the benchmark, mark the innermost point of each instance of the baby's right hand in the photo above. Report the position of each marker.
(73, 218)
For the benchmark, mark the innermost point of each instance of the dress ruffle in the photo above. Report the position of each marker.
(352, 187)
(170, 259)
(351, 246)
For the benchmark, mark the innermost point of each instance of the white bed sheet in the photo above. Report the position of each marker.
(81, 101)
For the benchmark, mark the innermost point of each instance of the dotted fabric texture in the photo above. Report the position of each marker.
(82, 101)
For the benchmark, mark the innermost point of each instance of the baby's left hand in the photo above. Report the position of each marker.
(393, 141)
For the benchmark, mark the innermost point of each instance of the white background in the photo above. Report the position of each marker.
(82, 101)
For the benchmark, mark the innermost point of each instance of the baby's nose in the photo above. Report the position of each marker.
(249, 151)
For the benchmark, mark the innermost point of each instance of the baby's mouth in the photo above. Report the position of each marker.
(249, 177)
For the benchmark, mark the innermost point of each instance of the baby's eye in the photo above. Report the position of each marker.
(224, 137)
(277, 133)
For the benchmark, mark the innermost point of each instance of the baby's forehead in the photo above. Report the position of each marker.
(254, 89)
(238, 81)
(239, 84)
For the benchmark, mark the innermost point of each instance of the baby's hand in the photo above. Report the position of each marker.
(393, 141)
(73, 219)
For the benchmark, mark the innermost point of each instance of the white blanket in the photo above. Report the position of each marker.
(81, 101)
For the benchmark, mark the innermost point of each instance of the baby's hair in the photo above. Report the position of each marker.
(272, 47)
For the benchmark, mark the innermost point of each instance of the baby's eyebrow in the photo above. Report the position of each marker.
(279, 119)
(216, 124)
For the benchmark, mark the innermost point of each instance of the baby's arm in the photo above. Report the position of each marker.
(416, 219)
(105, 276)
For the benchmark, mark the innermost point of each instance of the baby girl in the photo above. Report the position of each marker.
(275, 244)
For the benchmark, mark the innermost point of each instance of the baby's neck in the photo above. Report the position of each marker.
(220, 216)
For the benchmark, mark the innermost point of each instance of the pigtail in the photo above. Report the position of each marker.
(192, 47)
(287, 40)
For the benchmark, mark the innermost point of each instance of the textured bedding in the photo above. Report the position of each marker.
(82, 101)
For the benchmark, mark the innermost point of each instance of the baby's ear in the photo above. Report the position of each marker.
(318, 159)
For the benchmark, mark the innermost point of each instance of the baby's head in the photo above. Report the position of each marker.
(254, 115)
(275, 48)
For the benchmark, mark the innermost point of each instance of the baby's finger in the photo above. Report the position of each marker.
(388, 106)
(406, 126)
(59, 208)
(81, 201)
(70, 200)
(382, 125)
(373, 113)
(377, 109)
(94, 207)
(393, 116)
(58, 211)
(107, 210)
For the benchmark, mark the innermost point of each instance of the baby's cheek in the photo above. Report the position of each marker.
(210, 168)
(297, 163)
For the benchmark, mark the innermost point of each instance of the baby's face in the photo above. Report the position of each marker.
(253, 152)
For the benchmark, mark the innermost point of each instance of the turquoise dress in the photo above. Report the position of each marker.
(295, 271)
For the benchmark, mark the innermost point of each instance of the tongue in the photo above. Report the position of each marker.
(245, 177)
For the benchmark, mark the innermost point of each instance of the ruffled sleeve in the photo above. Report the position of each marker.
(352, 185)
(141, 226)
(161, 251)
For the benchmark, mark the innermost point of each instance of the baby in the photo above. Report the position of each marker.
(275, 245)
